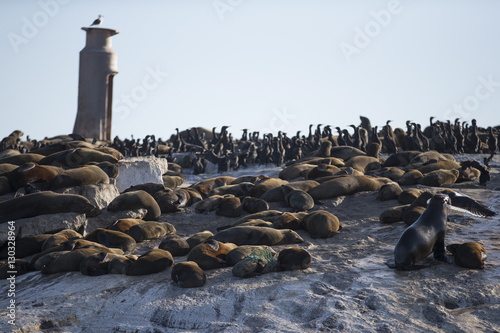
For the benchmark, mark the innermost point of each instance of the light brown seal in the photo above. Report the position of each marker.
(210, 254)
(468, 255)
(134, 200)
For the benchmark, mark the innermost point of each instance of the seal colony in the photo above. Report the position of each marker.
(281, 219)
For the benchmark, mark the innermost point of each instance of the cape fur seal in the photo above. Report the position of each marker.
(297, 199)
(46, 202)
(198, 238)
(150, 230)
(244, 251)
(210, 254)
(294, 258)
(25, 246)
(187, 274)
(321, 224)
(112, 238)
(424, 236)
(254, 205)
(176, 245)
(468, 255)
(257, 236)
(134, 200)
(153, 261)
(86, 175)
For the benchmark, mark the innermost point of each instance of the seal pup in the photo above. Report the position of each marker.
(59, 238)
(229, 207)
(123, 225)
(176, 245)
(25, 246)
(254, 205)
(297, 199)
(150, 230)
(188, 274)
(153, 261)
(198, 238)
(112, 238)
(321, 224)
(95, 265)
(20, 267)
(468, 255)
(210, 254)
(389, 191)
(119, 264)
(424, 236)
(294, 258)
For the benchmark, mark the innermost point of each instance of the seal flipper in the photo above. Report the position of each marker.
(391, 264)
(465, 204)
(439, 252)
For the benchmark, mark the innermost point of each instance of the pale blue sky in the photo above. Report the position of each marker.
(266, 65)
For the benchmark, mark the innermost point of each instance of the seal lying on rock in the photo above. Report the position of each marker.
(468, 255)
(176, 245)
(257, 236)
(153, 261)
(112, 238)
(210, 254)
(294, 258)
(321, 224)
(134, 200)
(46, 202)
(188, 274)
(150, 230)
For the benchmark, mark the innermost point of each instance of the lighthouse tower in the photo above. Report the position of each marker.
(95, 85)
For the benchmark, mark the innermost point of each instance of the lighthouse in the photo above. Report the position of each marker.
(95, 84)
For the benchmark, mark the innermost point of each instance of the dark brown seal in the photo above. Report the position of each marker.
(188, 274)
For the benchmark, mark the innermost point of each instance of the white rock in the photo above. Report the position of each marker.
(140, 170)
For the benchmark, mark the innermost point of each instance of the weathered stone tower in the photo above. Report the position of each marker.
(95, 85)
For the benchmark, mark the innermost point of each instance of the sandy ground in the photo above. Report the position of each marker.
(347, 288)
